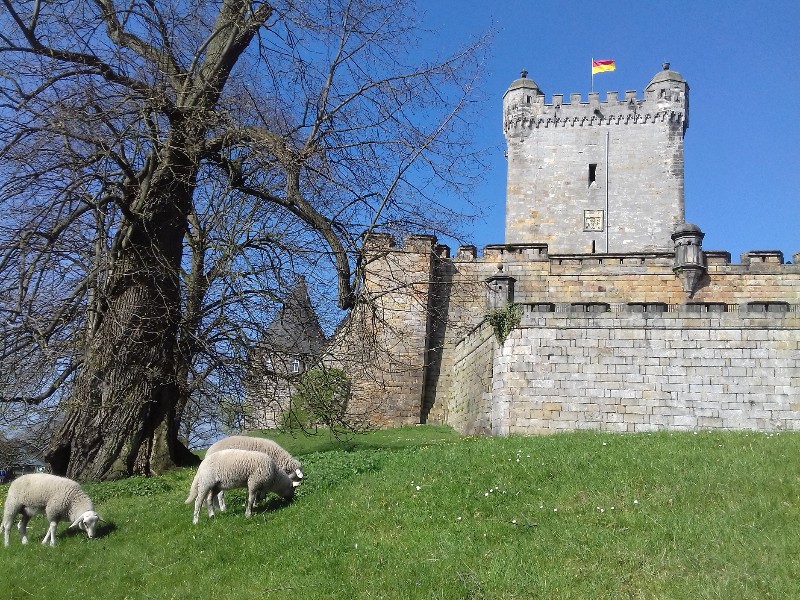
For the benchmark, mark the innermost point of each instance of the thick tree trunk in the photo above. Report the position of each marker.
(117, 422)
(121, 419)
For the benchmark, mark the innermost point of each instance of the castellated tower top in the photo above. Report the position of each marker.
(596, 176)
(666, 97)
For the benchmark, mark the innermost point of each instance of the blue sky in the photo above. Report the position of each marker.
(742, 63)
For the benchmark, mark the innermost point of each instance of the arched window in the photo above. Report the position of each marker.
(295, 365)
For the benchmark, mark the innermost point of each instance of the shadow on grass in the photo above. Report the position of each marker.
(101, 531)
(271, 505)
(301, 442)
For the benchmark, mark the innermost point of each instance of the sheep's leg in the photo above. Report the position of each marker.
(221, 500)
(251, 500)
(51, 533)
(6, 526)
(23, 528)
(215, 499)
(198, 502)
(210, 500)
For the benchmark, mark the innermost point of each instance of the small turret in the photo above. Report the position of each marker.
(523, 99)
(690, 263)
(500, 289)
(670, 91)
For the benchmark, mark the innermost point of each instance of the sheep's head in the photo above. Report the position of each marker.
(285, 486)
(87, 522)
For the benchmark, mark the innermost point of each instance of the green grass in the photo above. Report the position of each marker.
(419, 512)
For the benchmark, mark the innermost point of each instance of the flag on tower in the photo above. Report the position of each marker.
(600, 66)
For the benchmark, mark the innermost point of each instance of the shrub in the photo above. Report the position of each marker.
(321, 398)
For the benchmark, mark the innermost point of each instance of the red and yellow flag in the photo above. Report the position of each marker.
(600, 66)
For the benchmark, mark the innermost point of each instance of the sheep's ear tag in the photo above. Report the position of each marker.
(295, 483)
(299, 473)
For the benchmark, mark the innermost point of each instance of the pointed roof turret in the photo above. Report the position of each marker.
(295, 329)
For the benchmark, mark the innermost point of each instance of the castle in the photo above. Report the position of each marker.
(619, 319)
(626, 323)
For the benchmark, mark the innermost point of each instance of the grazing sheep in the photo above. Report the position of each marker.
(59, 498)
(233, 468)
(284, 460)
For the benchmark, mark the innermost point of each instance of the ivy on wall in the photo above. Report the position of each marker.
(504, 320)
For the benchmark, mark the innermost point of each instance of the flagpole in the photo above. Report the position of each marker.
(608, 168)
(591, 69)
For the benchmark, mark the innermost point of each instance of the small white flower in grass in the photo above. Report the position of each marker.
(636, 502)
(419, 488)
(604, 444)
(458, 518)
(555, 510)
(486, 493)
(513, 521)
(541, 506)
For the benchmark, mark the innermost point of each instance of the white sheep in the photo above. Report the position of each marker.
(285, 461)
(59, 498)
(226, 469)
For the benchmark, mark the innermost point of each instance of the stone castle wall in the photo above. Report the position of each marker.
(643, 372)
(384, 344)
(607, 341)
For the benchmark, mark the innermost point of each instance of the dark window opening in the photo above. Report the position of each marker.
(592, 174)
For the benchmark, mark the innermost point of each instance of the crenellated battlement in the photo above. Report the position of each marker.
(428, 244)
(528, 111)
(666, 98)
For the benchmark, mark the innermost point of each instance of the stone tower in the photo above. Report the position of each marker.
(596, 176)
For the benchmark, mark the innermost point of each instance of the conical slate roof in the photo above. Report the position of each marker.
(296, 329)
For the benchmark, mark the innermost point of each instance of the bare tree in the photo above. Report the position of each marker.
(168, 165)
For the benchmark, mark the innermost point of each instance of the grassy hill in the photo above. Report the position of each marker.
(420, 512)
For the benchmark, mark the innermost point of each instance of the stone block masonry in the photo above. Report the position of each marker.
(634, 373)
